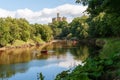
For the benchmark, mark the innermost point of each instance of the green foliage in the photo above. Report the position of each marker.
(45, 32)
(65, 28)
(62, 75)
(4, 33)
(40, 76)
(60, 29)
(79, 27)
(38, 39)
(97, 6)
(19, 29)
(54, 27)
(105, 25)
(111, 48)
(18, 43)
(104, 20)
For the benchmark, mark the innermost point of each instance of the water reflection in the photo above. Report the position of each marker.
(19, 63)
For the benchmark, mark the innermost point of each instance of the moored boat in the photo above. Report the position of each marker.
(44, 51)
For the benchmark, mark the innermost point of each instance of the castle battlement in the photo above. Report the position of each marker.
(58, 18)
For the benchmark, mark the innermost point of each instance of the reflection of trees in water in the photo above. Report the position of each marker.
(6, 72)
(15, 56)
(9, 70)
(22, 57)
(43, 56)
(80, 53)
(60, 49)
(4, 76)
(8, 60)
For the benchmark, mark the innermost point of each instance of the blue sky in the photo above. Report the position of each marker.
(34, 5)
(40, 11)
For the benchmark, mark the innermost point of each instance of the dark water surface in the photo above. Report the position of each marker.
(25, 64)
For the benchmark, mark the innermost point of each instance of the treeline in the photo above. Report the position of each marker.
(78, 28)
(12, 29)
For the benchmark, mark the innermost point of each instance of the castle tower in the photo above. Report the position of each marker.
(58, 15)
(58, 18)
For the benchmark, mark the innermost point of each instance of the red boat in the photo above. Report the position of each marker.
(44, 51)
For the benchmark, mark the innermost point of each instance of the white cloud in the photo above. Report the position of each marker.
(5, 13)
(69, 64)
(45, 15)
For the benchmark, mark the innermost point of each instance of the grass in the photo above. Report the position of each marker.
(18, 43)
(21, 43)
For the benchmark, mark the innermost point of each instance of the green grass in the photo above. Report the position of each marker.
(18, 43)
(21, 43)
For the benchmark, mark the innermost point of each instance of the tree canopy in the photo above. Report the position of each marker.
(12, 29)
(104, 17)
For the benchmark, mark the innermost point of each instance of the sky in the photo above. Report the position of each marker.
(40, 11)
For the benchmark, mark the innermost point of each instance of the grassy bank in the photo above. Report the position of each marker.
(22, 44)
(104, 66)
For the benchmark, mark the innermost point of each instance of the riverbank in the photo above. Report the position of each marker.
(18, 44)
(104, 66)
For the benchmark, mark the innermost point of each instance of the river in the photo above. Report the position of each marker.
(26, 64)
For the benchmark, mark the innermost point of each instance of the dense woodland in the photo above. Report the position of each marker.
(20, 29)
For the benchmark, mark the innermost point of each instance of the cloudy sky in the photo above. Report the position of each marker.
(40, 11)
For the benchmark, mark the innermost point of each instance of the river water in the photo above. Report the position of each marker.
(26, 64)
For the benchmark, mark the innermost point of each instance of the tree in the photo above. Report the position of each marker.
(64, 28)
(24, 30)
(104, 17)
(12, 29)
(46, 33)
(56, 30)
(79, 27)
(4, 33)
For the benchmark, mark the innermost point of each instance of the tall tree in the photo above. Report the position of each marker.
(109, 19)
(79, 27)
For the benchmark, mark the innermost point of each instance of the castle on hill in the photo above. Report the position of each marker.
(58, 18)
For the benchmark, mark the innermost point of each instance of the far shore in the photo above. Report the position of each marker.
(26, 46)
(84, 41)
